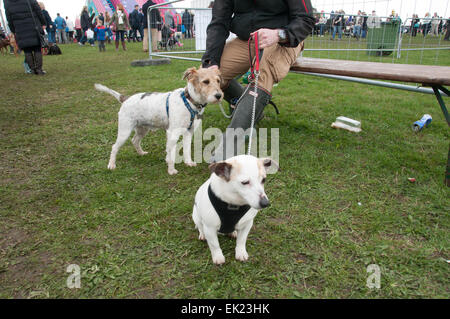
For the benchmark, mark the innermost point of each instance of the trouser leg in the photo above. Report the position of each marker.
(274, 66)
(29, 59)
(38, 61)
(155, 36)
(145, 40)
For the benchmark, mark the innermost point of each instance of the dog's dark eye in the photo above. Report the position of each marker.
(245, 182)
(206, 82)
(263, 180)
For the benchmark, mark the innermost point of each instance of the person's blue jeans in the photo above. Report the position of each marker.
(357, 31)
(337, 29)
(322, 26)
(51, 35)
(363, 33)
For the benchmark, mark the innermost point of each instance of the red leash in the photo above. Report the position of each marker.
(254, 66)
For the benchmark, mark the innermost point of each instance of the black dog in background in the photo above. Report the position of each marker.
(54, 50)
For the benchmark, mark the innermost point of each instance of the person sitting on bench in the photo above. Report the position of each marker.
(282, 26)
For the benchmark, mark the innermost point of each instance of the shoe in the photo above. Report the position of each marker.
(38, 64)
(29, 63)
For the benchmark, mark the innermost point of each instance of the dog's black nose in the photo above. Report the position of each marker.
(218, 96)
(264, 202)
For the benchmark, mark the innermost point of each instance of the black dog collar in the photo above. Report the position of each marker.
(229, 214)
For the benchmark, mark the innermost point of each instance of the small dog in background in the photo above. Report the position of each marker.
(178, 112)
(4, 44)
(229, 201)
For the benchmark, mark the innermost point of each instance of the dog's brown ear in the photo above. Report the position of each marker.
(189, 73)
(221, 169)
(219, 74)
(270, 165)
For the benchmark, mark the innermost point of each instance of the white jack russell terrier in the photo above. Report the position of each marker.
(178, 112)
(229, 201)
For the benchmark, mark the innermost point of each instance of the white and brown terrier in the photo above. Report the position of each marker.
(178, 112)
(229, 201)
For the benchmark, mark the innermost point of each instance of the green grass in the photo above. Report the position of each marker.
(131, 231)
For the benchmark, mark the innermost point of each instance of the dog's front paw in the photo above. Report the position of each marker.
(191, 164)
(143, 153)
(172, 171)
(233, 235)
(218, 259)
(241, 255)
(111, 166)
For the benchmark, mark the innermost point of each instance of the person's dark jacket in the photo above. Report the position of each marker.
(85, 21)
(243, 17)
(22, 24)
(134, 19)
(141, 19)
(48, 21)
(186, 19)
(155, 18)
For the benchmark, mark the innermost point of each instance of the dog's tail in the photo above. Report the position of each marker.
(119, 97)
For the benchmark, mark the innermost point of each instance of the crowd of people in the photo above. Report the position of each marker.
(169, 27)
(337, 23)
(119, 27)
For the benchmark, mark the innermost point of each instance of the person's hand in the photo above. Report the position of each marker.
(267, 37)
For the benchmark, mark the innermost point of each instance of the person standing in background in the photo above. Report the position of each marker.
(85, 24)
(135, 24)
(447, 28)
(426, 24)
(186, 19)
(70, 29)
(109, 33)
(322, 23)
(60, 29)
(435, 25)
(101, 35)
(155, 25)
(78, 28)
(49, 26)
(141, 24)
(357, 29)
(121, 25)
(415, 25)
(337, 25)
(25, 20)
(102, 17)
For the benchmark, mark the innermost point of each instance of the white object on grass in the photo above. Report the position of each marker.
(347, 124)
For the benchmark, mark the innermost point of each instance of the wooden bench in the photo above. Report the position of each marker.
(435, 77)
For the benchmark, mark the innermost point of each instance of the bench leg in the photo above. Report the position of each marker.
(447, 174)
(436, 89)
